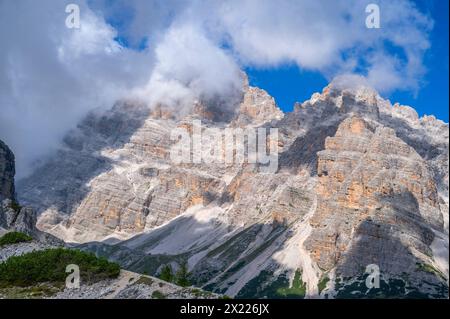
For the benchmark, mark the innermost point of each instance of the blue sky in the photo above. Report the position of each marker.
(289, 84)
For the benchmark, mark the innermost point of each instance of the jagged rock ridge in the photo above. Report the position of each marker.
(359, 182)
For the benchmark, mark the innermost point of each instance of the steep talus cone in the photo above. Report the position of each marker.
(372, 188)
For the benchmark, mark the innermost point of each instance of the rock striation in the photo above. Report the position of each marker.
(372, 185)
(359, 182)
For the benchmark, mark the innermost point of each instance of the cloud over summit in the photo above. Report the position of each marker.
(176, 51)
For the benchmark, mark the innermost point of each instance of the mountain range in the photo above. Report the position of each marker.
(360, 184)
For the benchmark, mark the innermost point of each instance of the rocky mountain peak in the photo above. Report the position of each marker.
(257, 108)
(337, 98)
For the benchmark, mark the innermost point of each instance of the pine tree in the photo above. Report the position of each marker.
(166, 273)
(182, 275)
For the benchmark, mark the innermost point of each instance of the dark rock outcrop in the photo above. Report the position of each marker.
(7, 171)
(14, 217)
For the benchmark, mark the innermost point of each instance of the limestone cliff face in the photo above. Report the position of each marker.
(114, 176)
(372, 185)
(359, 182)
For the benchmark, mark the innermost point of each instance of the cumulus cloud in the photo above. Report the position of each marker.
(190, 67)
(329, 36)
(51, 76)
(177, 51)
(350, 81)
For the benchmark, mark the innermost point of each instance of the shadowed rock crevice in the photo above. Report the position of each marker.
(397, 240)
(387, 237)
(436, 154)
(302, 154)
(377, 204)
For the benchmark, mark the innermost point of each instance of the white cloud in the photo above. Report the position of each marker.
(191, 67)
(328, 36)
(94, 37)
(50, 76)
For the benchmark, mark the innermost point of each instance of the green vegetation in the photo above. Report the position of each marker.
(158, 295)
(355, 288)
(182, 275)
(166, 273)
(298, 288)
(49, 266)
(151, 264)
(263, 286)
(181, 278)
(39, 291)
(144, 280)
(15, 206)
(198, 293)
(429, 269)
(323, 283)
(14, 238)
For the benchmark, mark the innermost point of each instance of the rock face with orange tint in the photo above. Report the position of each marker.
(114, 205)
(257, 108)
(373, 188)
(359, 182)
